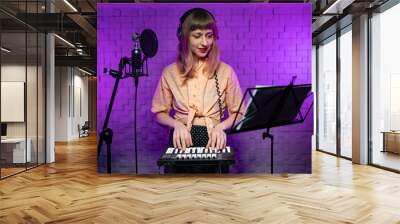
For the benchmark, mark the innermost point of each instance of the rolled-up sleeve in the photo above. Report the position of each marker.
(162, 99)
(234, 94)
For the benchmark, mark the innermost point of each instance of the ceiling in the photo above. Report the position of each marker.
(78, 24)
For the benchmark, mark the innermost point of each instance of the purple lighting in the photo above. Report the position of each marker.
(265, 43)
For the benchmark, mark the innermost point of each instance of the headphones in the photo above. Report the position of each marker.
(187, 14)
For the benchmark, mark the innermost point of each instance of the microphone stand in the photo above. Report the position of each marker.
(136, 74)
(106, 133)
(136, 71)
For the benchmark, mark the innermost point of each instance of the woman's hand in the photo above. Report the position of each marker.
(181, 137)
(217, 138)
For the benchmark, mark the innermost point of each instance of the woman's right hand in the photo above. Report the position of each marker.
(181, 137)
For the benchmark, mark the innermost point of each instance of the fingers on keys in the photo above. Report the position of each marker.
(182, 140)
(216, 141)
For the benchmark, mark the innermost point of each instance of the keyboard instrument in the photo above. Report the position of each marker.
(197, 156)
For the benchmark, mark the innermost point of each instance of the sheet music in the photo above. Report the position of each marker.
(250, 101)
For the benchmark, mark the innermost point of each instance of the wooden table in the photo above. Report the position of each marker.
(391, 141)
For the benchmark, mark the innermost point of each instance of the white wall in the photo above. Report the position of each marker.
(16, 72)
(71, 94)
(80, 110)
(314, 90)
(61, 103)
(33, 127)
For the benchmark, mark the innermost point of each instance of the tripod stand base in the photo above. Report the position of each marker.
(106, 135)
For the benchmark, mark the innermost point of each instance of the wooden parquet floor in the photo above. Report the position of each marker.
(71, 191)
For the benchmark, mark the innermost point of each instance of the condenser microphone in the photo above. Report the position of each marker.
(136, 56)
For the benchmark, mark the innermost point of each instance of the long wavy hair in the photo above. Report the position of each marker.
(197, 20)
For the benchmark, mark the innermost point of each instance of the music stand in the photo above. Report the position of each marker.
(272, 107)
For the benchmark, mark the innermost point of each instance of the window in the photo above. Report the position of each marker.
(327, 96)
(385, 88)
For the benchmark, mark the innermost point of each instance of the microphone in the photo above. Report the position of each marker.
(136, 57)
(149, 45)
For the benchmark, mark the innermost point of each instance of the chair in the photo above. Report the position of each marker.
(84, 130)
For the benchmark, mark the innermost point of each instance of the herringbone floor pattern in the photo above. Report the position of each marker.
(71, 191)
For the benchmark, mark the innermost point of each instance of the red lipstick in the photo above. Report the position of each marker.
(203, 50)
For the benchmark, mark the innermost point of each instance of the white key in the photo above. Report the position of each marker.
(224, 150)
(200, 150)
(214, 156)
(178, 156)
(187, 150)
(204, 156)
(208, 156)
(169, 151)
(189, 156)
(198, 156)
(228, 149)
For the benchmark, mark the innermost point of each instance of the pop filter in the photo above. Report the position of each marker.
(148, 43)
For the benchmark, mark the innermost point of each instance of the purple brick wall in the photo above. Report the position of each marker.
(266, 44)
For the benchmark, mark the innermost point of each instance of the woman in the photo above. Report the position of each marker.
(198, 86)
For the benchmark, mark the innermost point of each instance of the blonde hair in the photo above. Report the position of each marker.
(199, 19)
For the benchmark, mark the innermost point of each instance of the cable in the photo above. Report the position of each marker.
(219, 97)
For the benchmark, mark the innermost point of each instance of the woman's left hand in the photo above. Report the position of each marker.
(217, 138)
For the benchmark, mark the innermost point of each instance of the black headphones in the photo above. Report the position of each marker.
(187, 14)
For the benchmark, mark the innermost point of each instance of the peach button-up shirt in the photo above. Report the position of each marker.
(196, 102)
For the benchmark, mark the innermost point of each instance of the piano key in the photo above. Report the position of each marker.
(228, 149)
(214, 156)
(169, 151)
